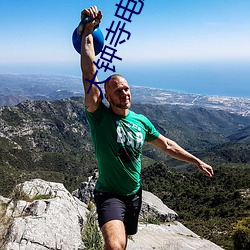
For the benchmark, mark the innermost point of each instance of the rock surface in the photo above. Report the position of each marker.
(169, 236)
(44, 215)
(152, 206)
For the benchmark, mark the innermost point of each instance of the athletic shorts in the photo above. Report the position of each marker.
(116, 207)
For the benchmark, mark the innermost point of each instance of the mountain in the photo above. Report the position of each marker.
(51, 139)
(15, 88)
(45, 139)
(241, 136)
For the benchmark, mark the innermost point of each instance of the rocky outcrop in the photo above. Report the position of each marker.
(168, 236)
(43, 215)
(152, 206)
(85, 192)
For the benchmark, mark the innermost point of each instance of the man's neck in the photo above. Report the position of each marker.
(119, 111)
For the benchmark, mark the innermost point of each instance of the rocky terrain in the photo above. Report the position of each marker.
(50, 140)
(43, 215)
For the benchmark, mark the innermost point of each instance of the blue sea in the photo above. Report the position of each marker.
(220, 79)
(230, 79)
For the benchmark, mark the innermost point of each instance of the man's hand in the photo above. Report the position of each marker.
(206, 169)
(93, 13)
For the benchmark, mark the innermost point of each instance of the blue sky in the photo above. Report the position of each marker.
(35, 35)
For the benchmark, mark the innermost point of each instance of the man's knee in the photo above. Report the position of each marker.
(114, 235)
(115, 245)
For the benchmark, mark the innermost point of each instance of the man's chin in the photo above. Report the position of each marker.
(127, 105)
(124, 106)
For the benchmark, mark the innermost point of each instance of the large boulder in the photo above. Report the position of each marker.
(152, 206)
(42, 215)
(170, 235)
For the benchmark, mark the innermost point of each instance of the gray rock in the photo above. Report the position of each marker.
(169, 236)
(85, 192)
(46, 216)
(152, 206)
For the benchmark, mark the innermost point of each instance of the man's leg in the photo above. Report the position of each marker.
(114, 235)
(111, 212)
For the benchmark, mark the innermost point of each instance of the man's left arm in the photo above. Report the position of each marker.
(174, 150)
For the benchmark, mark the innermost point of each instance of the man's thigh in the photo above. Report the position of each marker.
(114, 235)
(109, 208)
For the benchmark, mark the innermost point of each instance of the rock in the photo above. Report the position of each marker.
(85, 192)
(169, 236)
(44, 215)
(152, 206)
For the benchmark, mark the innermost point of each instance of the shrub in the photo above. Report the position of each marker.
(241, 234)
(91, 235)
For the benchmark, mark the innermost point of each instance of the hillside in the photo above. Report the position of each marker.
(209, 207)
(45, 139)
(51, 140)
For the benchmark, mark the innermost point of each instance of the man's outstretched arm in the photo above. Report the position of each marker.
(92, 98)
(174, 150)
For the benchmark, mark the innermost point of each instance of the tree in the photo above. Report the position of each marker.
(241, 234)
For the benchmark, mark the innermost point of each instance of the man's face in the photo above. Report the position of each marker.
(118, 93)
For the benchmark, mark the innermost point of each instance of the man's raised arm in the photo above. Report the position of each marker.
(92, 98)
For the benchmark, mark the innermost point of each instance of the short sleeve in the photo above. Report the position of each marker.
(95, 117)
(152, 133)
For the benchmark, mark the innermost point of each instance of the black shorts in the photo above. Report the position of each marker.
(117, 207)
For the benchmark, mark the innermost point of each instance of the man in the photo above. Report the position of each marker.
(118, 135)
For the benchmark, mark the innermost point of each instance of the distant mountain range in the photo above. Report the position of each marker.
(15, 88)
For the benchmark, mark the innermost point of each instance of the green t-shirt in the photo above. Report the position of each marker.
(118, 144)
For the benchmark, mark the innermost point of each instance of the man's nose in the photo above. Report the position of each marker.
(123, 93)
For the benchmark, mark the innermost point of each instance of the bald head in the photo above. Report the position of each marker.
(114, 82)
(117, 93)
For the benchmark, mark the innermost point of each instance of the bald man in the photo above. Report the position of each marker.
(118, 135)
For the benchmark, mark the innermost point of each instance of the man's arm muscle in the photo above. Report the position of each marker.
(92, 98)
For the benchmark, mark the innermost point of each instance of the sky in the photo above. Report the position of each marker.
(184, 45)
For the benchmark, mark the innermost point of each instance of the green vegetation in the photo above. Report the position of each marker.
(51, 141)
(91, 235)
(241, 234)
(151, 220)
(5, 222)
(208, 206)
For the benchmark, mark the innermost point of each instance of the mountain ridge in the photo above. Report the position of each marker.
(51, 140)
(54, 135)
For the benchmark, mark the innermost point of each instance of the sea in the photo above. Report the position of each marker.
(230, 79)
(215, 79)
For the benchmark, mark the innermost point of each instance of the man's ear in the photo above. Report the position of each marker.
(107, 97)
